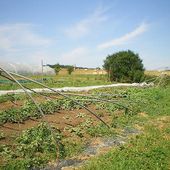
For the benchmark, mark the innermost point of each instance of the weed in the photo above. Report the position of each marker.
(100, 130)
(81, 115)
(146, 151)
(35, 147)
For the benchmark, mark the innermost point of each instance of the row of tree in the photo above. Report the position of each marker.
(123, 66)
(58, 67)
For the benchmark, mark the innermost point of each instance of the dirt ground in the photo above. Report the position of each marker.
(60, 119)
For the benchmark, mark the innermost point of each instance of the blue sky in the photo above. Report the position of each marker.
(84, 32)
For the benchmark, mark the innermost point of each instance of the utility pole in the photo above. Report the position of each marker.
(42, 69)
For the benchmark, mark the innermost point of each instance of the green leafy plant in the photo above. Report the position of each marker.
(2, 135)
(100, 130)
(9, 97)
(81, 115)
(57, 68)
(78, 131)
(70, 69)
(35, 147)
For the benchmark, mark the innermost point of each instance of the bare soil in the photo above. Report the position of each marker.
(60, 119)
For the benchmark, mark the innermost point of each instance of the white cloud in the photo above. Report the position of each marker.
(14, 37)
(84, 26)
(21, 42)
(125, 38)
(74, 56)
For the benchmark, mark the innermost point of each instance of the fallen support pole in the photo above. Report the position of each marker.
(29, 95)
(31, 90)
(104, 100)
(26, 78)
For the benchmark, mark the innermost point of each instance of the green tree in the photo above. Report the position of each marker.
(70, 69)
(124, 66)
(57, 68)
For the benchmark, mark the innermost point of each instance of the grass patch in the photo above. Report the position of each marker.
(79, 80)
(147, 151)
(149, 108)
(151, 149)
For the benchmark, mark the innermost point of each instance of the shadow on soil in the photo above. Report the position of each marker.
(96, 147)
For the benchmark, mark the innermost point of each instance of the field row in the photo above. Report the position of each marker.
(68, 127)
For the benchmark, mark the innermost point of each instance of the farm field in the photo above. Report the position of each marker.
(78, 78)
(136, 134)
(61, 80)
(84, 85)
(156, 73)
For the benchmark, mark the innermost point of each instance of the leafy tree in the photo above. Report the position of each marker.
(70, 69)
(124, 66)
(57, 68)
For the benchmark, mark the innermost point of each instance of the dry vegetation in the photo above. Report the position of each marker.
(156, 73)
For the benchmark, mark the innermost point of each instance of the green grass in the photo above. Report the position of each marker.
(35, 147)
(149, 150)
(60, 81)
(7, 97)
(153, 100)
